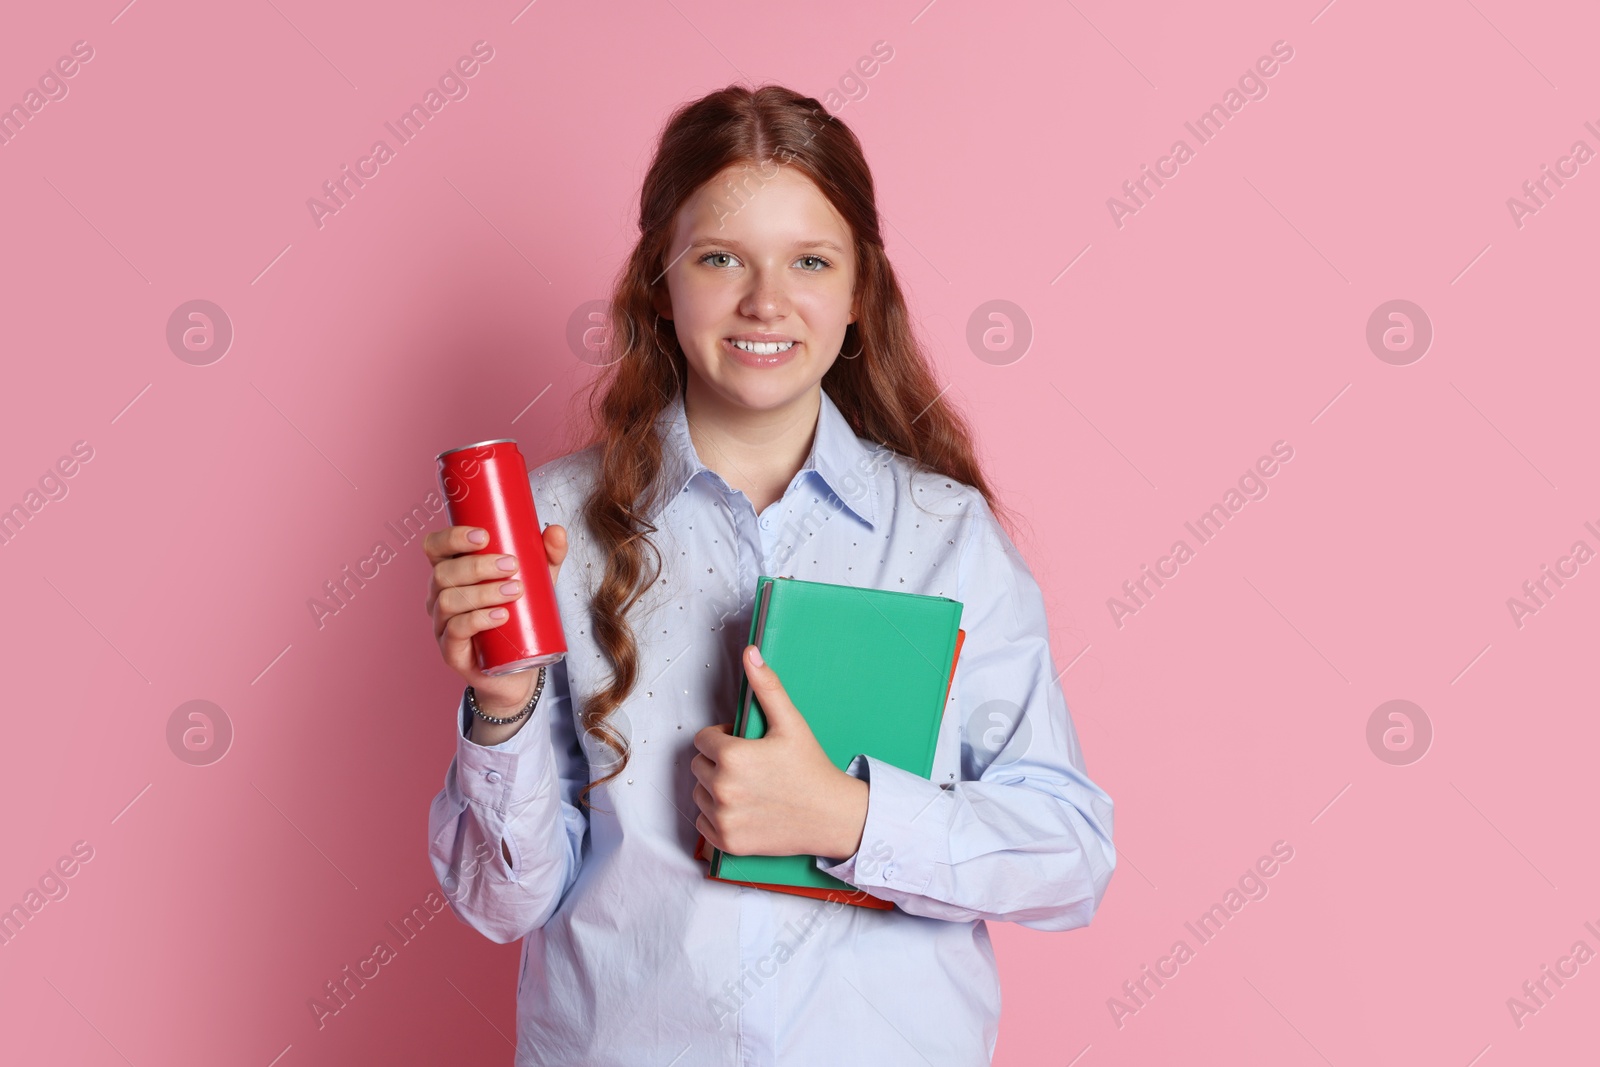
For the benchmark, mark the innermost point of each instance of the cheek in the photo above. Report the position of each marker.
(702, 302)
(825, 308)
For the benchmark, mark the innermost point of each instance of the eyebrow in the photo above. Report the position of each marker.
(700, 242)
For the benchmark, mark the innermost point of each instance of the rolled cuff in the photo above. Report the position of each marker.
(901, 832)
(503, 777)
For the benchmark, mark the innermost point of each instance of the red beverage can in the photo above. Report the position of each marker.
(486, 485)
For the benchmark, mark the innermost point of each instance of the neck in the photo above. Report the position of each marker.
(754, 451)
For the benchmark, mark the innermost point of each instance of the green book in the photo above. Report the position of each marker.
(870, 669)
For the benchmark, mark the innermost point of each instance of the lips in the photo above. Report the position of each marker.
(767, 353)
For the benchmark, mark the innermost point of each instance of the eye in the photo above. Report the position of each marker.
(819, 259)
(715, 255)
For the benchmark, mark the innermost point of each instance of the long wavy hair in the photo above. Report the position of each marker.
(887, 393)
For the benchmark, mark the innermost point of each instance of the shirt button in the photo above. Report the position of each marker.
(493, 776)
(766, 524)
(888, 872)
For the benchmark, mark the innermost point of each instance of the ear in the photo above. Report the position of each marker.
(661, 299)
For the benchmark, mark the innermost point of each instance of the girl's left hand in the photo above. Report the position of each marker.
(778, 794)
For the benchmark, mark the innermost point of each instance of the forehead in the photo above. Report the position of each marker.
(755, 204)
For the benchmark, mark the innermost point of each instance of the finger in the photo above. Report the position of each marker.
(445, 544)
(703, 799)
(708, 830)
(456, 638)
(775, 703)
(723, 729)
(453, 541)
(457, 599)
(713, 740)
(701, 767)
(555, 544)
(469, 570)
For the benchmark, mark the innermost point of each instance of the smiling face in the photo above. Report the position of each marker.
(760, 287)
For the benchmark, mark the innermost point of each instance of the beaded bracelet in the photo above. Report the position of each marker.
(472, 704)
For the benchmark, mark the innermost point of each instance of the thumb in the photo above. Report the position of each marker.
(555, 548)
(782, 715)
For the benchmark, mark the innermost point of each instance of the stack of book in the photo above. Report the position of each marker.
(870, 669)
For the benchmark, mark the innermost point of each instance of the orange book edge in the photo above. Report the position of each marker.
(859, 897)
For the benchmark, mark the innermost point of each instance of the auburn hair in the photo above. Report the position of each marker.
(887, 392)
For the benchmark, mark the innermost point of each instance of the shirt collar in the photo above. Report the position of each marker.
(846, 464)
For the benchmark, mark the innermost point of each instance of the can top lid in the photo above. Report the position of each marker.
(477, 444)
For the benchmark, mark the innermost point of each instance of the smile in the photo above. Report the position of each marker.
(760, 353)
(763, 348)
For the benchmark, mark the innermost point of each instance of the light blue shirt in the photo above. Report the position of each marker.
(631, 955)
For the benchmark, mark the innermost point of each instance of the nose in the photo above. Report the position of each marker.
(767, 299)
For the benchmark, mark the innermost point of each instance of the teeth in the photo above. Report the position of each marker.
(764, 348)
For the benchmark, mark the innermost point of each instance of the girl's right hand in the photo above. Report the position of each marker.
(464, 588)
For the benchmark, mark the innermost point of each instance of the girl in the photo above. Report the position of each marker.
(768, 411)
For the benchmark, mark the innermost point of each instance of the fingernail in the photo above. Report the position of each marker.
(755, 657)
(511, 587)
(506, 563)
(498, 613)
(478, 537)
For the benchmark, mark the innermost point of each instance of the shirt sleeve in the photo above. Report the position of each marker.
(1025, 836)
(522, 791)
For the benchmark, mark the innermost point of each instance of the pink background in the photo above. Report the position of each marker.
(1228, 314)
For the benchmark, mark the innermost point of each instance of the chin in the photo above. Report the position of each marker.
(766, 397)
(762, 390)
